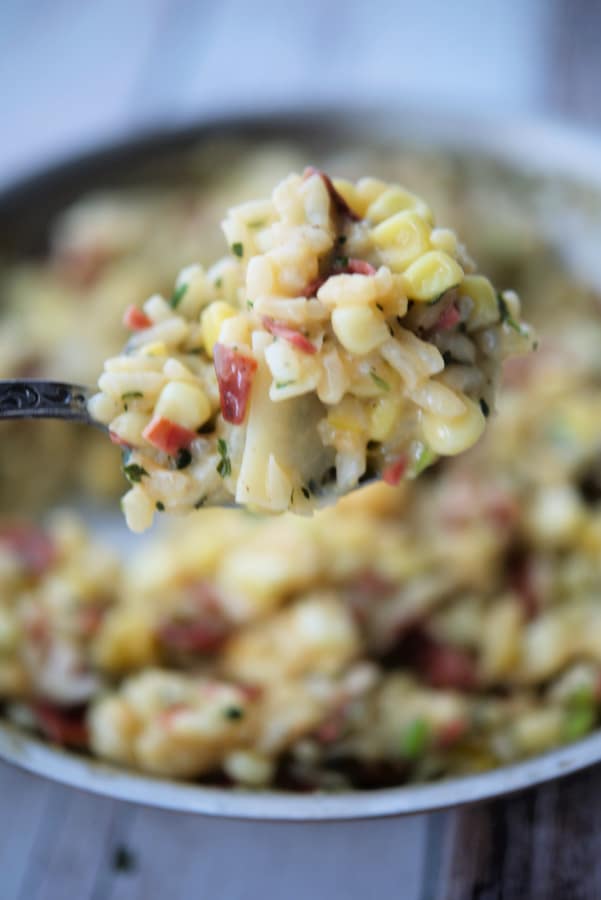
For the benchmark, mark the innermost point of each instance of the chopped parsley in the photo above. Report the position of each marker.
(505, 314)
(249, 304)
(177, 295)
(425, 458)
(238, 249)
(134, 473)
(341, 262)
(306, 492)
(160, 506)
(284, 384)
(581, 714)
(218, 282)
(484, 407)
(259, 223)
(183, 458)
(414, 739)
(200, 503)
(377, 379)
(224, 466)
(233, 713)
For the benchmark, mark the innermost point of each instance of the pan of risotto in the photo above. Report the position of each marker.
(430, 639)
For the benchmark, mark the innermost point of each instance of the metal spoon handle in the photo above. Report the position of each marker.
(37, 399)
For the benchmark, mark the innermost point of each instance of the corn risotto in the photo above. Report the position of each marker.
(441, 627)
(345, 338)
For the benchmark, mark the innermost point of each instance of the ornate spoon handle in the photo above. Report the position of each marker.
(37, 399)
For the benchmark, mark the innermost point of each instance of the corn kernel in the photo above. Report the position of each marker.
(211, 321)
(348, 415)
(359, 329)
(402, 238)
(138, 509)
(431, 275)
(156, 348)
(451, 436)
(485, 310)
(384, 416)
(396, 199)
(350, 195)
(444, 239)
(183, 403)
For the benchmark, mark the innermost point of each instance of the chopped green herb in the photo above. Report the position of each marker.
(414, 739)
(233, 713)
(250, 304)
(131, 395)
(581, 715)
(341, 262)
(218, 282)
(484, 407)
(379, 381)
(224, 466)
(425, 458)
(183, 458)
(160, 506)
(306, 493)
(134, 473)
(259, 223)
(505, 315)
(124, 859)
(177, 295)
(284, 384)
(238, 249)
(200, 503)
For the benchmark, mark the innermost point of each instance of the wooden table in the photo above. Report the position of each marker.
(73, 73)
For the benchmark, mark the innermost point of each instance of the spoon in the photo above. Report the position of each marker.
(40, 399)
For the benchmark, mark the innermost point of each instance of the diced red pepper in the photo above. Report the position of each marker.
(34, 547)
(201, 627)
(451, 733)
(235, 373)
(393, 473)
(168, 436)
(136, 319)
(359, 267)
(338, 201)
(115, 439)
(442, 665)
(292, 335)
(448, 319)
(63, 726)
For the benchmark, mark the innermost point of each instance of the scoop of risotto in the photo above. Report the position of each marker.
(344, 338)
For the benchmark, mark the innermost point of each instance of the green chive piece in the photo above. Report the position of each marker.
(379, 381)
(414, 739)
(224, 466)
(238, 249)
(177, 295)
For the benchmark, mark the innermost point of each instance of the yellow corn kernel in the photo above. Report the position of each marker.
(156, 348)
(384, 416)
(444, 239)
(183, 403)
(431, 275)
(211, 321)
(394, 200)
(369, 189)
(138, 509)
(348, 415)
(451, 436)
(485, 309)
(402, 238)
(350, 194)
(360, 329)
